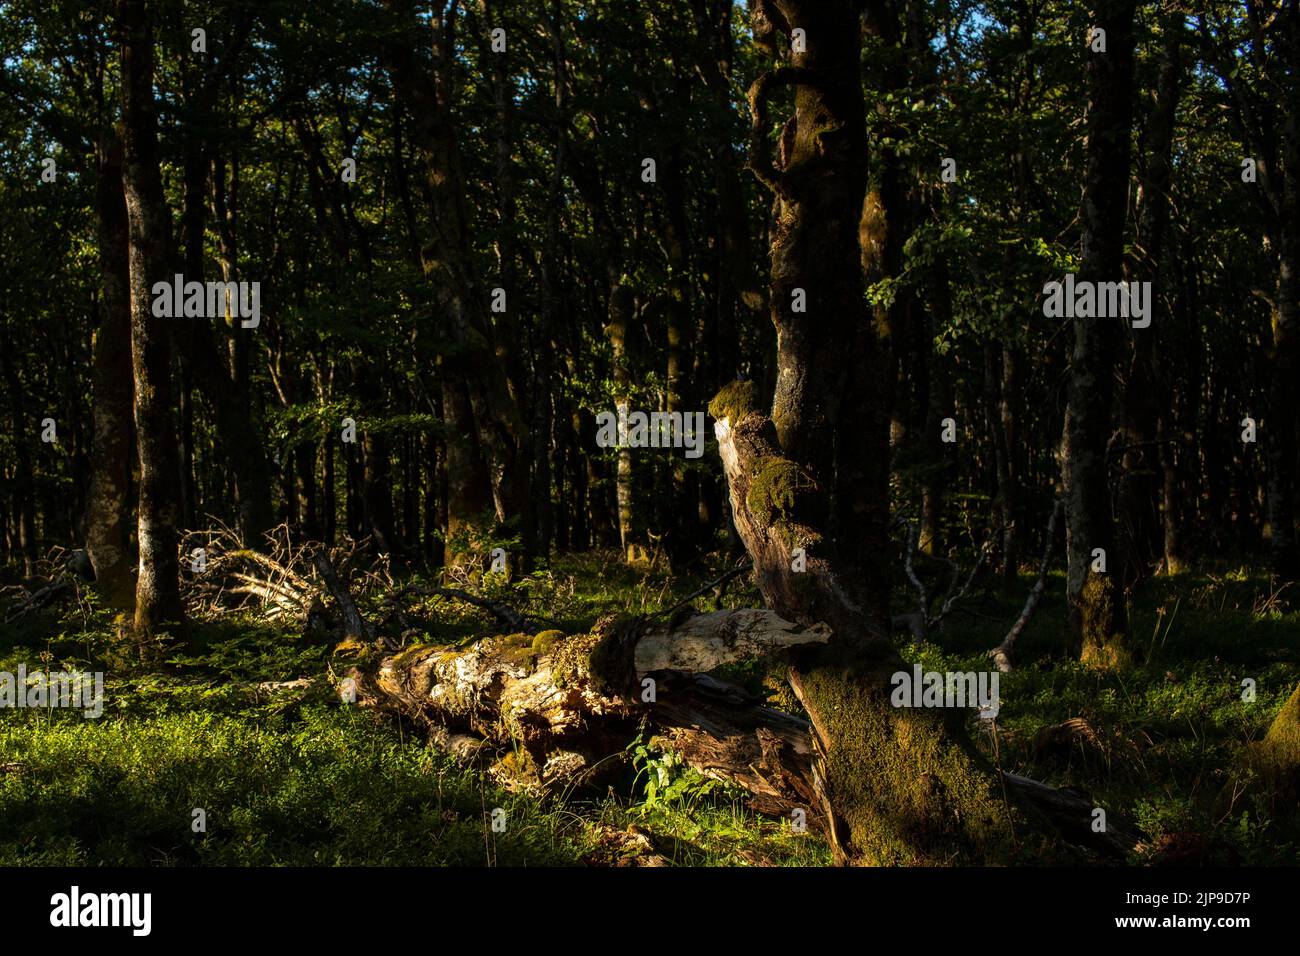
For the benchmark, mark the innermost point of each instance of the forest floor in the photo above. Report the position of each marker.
(290, 777)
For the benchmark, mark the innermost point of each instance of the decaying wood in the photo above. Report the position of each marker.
(553, 714)
(354, 625)
(703, 642)
(1072, 816)
(1002, 654)
(543, 716)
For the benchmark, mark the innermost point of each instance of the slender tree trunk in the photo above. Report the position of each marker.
(1180, 354)
(1141, 490)
(24, 486)
(330, 523)
(157, 595)
(621, 309)
(1011, 492)
(467, 485)
(1097, 615)
(109, 507)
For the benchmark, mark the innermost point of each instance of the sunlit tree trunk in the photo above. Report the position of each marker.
(109, 507)
(809, 484)
(157, 595)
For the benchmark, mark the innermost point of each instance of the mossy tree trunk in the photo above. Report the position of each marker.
(1097, 617)
(1277, 757)
(809, 485)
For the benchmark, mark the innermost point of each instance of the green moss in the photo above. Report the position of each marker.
(410, 655)
(609, 664)
(569, 659)
(545, 640)
(603, 657)
(1277, 756)
(734, 402)
(772, 489)
(1284, 734)
(1103, 647)
(518, 768)
(908, 785)
(515, 648)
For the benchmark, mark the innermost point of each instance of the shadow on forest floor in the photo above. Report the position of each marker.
(287, 779)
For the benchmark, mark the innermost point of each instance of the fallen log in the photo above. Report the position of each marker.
(552, 710)
(547, 713)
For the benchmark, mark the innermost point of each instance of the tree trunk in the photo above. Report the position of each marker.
(227, 383)
(157, 595)
(1097, 615)
(621, 308)
(107, 535)
(501, 430)
(809, 488)
(24, 486)
(1141, 489)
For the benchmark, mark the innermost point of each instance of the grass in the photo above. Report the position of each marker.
(1162, 745)
(295, 779)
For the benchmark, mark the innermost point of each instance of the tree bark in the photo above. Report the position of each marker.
(109, 507)
(621, 309)
(157, 595)
(1097, 616)
(809, 487)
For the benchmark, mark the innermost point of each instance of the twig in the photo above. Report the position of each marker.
(504, 613)
(922, 595)
(1002, 653)
(354, 625)
(739, 569)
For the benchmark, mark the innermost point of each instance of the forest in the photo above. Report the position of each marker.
(675, 433)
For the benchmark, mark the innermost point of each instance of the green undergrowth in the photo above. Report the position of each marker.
(1164, 745)
(293, 778)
